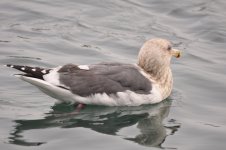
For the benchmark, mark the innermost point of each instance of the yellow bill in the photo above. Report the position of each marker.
(176, 53)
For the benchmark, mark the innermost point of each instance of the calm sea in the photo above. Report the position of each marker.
(56, 32)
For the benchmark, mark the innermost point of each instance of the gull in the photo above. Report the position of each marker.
(148, 81)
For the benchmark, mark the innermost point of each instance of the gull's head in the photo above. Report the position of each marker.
(155, 55)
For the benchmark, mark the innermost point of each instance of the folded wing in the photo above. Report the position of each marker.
(108, 78)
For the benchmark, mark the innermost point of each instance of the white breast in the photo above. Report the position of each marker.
(126, 98)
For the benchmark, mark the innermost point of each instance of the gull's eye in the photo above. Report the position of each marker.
(169, 47)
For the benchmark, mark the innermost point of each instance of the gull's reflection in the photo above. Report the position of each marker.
(147, 119)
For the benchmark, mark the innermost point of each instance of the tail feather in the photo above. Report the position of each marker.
(35, 72)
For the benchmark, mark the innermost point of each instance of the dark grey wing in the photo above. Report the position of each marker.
(108, 78)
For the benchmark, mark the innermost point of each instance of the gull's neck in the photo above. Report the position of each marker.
(166, 83)
(154, 60)
(160, 74)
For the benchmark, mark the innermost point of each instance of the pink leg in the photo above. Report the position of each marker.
(79, 107)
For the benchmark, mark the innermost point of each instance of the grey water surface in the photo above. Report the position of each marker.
(55, 32)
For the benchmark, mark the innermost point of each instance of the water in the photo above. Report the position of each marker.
(52, 33)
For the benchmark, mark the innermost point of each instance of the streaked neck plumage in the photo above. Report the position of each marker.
(157, 66)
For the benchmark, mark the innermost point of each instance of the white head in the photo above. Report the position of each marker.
(155, 55)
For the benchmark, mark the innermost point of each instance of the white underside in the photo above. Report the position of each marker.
(126, 98)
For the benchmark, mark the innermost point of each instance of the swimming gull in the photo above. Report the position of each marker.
(111, 84)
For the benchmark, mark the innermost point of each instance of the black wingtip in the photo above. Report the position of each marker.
(8, 65)
(18, 67)
(12, 66)
(35, 72)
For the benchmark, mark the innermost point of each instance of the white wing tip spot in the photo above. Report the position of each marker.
(84, 67)
(33, 69)
(22, 68)
(43, 71)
